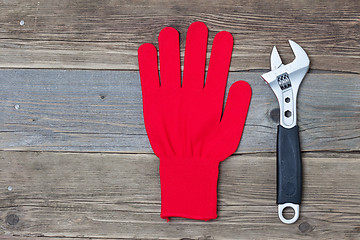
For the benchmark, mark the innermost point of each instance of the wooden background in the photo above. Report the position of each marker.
(75, 161)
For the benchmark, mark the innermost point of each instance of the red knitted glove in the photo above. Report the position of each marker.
(184, 122)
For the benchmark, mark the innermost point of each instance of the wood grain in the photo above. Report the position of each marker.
(101, 111)
(105, 34)
(98, 179)
(118, 196)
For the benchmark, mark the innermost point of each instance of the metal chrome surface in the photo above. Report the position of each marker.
(295, 207)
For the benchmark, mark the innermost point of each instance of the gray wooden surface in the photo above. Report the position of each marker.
(75, 162)
(101, 111)
(105, 34)
(118, 195)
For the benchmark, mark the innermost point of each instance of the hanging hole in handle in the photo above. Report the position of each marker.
(283, 214)
(288, 213)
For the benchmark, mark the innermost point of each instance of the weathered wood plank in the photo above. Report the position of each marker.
(118, 195)
(100, 34)
(95, 111)
(42, 237)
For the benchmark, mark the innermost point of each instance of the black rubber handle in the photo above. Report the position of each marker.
(289, 167)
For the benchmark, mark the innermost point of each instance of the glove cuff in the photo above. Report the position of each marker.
(188, 188)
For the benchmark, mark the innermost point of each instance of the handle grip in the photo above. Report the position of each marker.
(289, 166)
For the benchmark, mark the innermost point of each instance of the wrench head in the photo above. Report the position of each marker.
(285, 81)
(296, 69)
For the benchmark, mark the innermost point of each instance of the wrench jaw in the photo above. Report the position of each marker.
(285, 81)
(275, 59)
(301, 58)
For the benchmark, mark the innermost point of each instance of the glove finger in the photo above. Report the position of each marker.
(233, 119)
(195, 56)
(219, 68)
(148, 67)
(169, 51)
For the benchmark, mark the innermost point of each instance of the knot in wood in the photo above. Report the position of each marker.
(12, 219)
(275, 115)
(305, 227)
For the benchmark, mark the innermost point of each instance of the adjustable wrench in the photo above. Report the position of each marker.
(285, 80)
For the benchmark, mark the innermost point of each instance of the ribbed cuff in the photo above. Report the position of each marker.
(188, 188)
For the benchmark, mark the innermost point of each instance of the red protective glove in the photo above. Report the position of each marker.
(184, 122)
